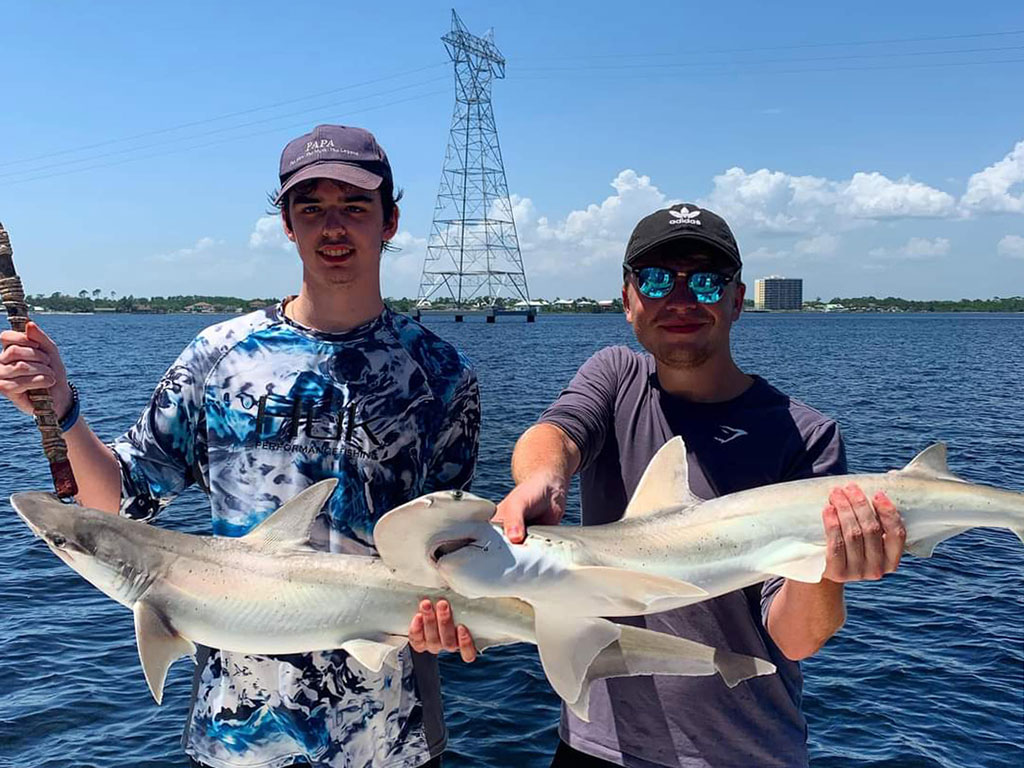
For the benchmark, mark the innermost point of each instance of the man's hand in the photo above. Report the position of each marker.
(540, 500)
(30, 360)
(864, 539)
(433, 630)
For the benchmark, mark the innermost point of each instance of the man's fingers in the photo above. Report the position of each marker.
(21, 384)
(853, 537)
(511, 517)
(871, 528)
(446, 626)
(835, 557)
(467, 648)
(37, 335)
(430, 634)
(16, 338)
(894, 531)
(417, 641)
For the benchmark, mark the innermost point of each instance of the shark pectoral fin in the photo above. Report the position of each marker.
(568, 646)
(734, 668)
(159, 646)
(923, 546)
(605, 591)
(665, 482)
(374, 654)
(799, 562)
(290, 526)
(644, 652)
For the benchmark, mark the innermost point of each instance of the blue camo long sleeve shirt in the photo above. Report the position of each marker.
(255, 410)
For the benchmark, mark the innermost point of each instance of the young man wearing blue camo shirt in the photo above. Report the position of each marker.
(328, 383)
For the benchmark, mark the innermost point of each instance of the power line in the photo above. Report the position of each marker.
(215, 131)
(804, 70)
(226, 116)
(796, 60)
(179, 150)
(788, 47)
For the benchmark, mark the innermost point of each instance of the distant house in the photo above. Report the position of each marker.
(201, 307)
(257, 304)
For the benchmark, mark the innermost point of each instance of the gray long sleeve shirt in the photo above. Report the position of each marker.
(618, 416)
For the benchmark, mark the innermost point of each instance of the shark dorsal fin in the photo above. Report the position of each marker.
(665, 483)
(289, 527)
(931, 462)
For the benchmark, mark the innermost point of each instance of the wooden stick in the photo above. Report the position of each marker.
(13, 297)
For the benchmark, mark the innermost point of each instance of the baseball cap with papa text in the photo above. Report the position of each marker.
(683, 230)
(337, 152)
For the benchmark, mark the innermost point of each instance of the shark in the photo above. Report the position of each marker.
(270, 592)
(717, 545)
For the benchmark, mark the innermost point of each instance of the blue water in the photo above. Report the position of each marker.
(928, 672)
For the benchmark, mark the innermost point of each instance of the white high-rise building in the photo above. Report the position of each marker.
(778, 293)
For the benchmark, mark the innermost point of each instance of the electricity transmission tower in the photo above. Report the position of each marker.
(473, 253)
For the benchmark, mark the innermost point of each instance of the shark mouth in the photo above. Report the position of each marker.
(448, 546)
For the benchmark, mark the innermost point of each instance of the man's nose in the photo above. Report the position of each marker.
(681, 293)
(334, 221)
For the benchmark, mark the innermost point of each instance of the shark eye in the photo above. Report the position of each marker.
(456, 495)
(59, 541)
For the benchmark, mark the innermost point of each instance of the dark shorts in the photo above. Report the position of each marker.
(567, 757)
(435, 763)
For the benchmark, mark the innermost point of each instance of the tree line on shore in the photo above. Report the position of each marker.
(894, 304)
(86, 301)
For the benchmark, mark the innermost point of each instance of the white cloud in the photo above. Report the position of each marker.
(268, 233)
(914, 248)
(1012, 246)
(203, 245)
(873, 196)
(774, 202)
(401, 270)
(921, 247)
(992, 190)
(596, 235)
(819, 245)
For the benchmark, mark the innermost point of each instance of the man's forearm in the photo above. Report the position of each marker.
(545, 448)
(804, 616)
(95, 467)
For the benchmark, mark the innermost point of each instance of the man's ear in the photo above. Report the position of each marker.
(625, 302)
(287, 230)
(737, 305)
(391, 227)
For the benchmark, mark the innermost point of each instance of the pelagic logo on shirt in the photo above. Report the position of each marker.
(330, 421)
(728, 434)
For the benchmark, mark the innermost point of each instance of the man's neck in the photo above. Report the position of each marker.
(335, 310)
(715, 381)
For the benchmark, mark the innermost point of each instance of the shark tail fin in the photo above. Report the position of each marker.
(612, 650)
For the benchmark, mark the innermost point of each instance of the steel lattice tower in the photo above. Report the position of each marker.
(473, 252)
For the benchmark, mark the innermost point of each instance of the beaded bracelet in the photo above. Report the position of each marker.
(69, 419)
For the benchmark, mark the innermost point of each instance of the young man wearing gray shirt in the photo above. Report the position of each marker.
(682, 293)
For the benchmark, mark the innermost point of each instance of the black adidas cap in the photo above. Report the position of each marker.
(683, 230)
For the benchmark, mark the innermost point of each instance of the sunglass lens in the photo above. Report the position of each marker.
(655, 282)
(707, 287)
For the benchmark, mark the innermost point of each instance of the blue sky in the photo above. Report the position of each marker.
(870, 148)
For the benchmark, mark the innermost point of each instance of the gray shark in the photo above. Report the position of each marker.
(719, 545)
(269, 592)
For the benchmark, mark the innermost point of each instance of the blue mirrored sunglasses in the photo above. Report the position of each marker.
(658, 282)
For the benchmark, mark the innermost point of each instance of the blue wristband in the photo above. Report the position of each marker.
(69, 419)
